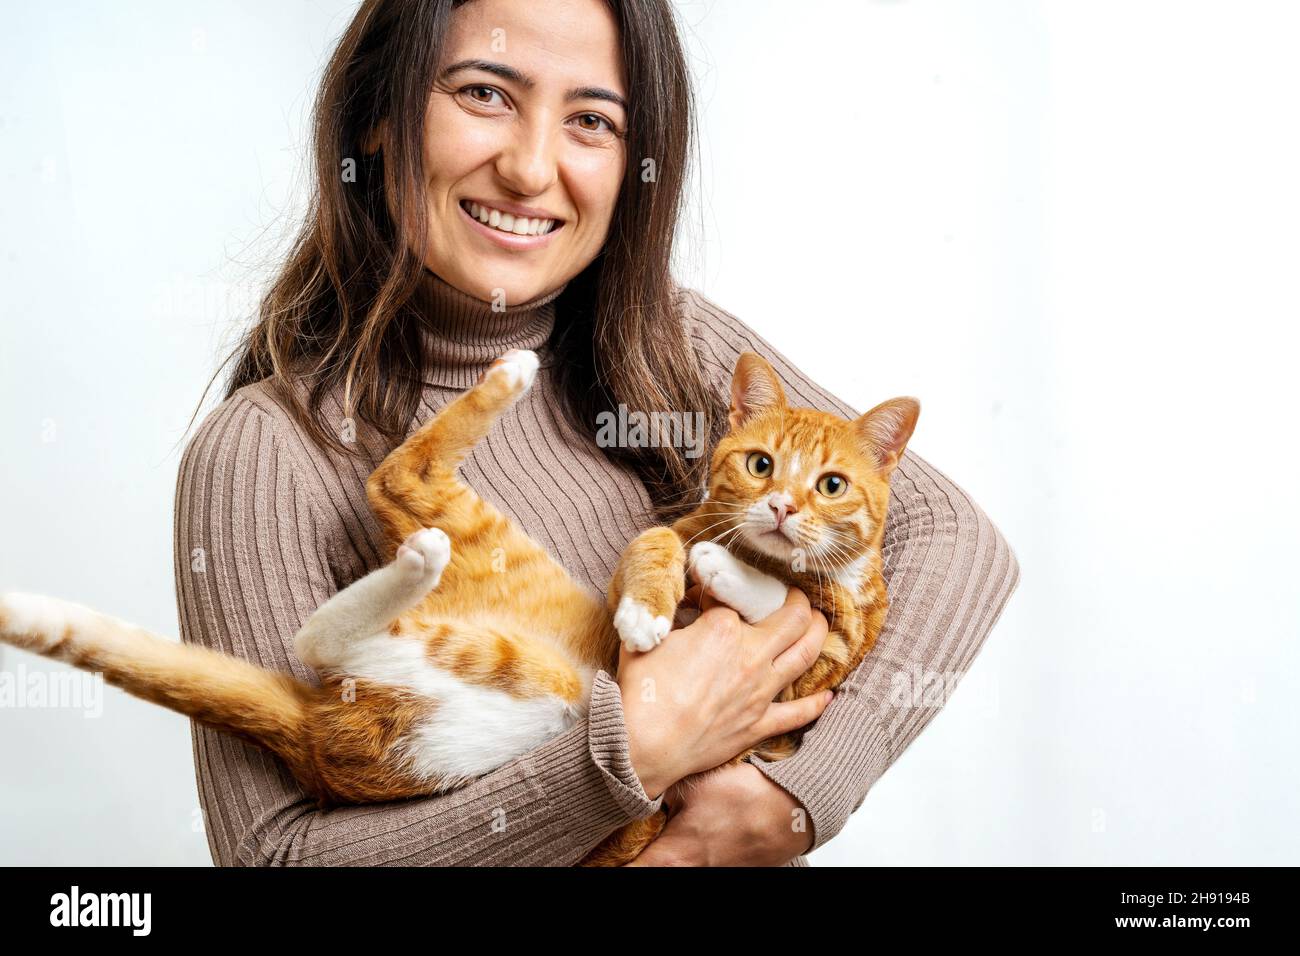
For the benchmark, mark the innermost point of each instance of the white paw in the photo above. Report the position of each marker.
(639, 629)
(749, 592)
(425, 553)
(714, 569)
(519, 366)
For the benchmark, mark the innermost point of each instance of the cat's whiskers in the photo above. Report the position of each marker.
(717, 504)
(821, 586)
(831, 589)
(694, 498)
(724, 501)
(841, 559)
(727, 538)
(691, 540)
(733, 532)
(832, 553)
(835, 546)
(840, 545)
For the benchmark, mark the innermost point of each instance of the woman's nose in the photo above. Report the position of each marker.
(528, 163)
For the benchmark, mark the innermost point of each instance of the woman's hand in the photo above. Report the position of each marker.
(705, 694)
(733, 816)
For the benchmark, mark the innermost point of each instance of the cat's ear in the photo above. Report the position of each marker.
(886, 429)
(754, 388)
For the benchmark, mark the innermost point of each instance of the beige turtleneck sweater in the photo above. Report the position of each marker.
(280, 525)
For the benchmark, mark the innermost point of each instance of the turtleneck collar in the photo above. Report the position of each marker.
(464, 335)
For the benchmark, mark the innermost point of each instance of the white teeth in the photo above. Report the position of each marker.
(505, 222)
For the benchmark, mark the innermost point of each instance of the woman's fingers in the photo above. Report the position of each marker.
(787, 624)
(785, 716)
(795, 660)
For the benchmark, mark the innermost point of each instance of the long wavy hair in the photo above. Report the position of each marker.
(340, 314)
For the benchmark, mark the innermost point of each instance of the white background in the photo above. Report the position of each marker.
(1071, 228)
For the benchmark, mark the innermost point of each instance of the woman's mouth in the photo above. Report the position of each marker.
(508, 223)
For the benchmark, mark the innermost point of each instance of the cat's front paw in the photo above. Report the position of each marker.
(715, 570)
(639, 628)
(749, 592)
(516, 369)
(425, 554)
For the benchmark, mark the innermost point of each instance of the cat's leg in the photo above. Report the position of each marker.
(648, 584)
(415, 484)
(368, 605)
(751, 593)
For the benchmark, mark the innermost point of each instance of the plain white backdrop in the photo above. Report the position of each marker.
(1070, 228)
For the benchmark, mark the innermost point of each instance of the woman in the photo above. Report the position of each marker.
(507, 174)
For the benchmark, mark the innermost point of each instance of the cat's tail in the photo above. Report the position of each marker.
(217, 689)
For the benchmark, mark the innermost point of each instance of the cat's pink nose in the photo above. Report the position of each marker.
(781, 509)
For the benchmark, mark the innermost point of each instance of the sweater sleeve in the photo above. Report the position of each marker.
(252, 562)
(949, 574)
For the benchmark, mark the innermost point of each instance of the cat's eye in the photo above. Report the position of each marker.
(832, 486)
(759, 464)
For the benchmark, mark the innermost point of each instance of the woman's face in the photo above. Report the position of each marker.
(524, 129)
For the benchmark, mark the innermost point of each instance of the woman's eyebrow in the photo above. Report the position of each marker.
(510, 73)
(595, 93)
(488, 66)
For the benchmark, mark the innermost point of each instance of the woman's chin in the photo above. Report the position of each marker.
(502, 291)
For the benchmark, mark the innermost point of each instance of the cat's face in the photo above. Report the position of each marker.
(800, 485)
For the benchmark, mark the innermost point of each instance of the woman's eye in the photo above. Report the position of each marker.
(832, 486)
(484, 95)
(593, 123)
(759, 464)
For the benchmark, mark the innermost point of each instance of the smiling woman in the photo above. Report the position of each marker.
(498, 204)
(543, 127)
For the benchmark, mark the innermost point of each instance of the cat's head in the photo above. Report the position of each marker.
(798, 483)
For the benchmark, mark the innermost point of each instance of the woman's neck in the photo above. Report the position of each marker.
(464, 335)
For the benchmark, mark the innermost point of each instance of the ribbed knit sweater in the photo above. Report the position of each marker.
(268, 526)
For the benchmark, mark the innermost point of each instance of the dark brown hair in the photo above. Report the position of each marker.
(339, 315)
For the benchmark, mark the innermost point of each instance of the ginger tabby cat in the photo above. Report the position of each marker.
(473, 646)
(796, 498)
